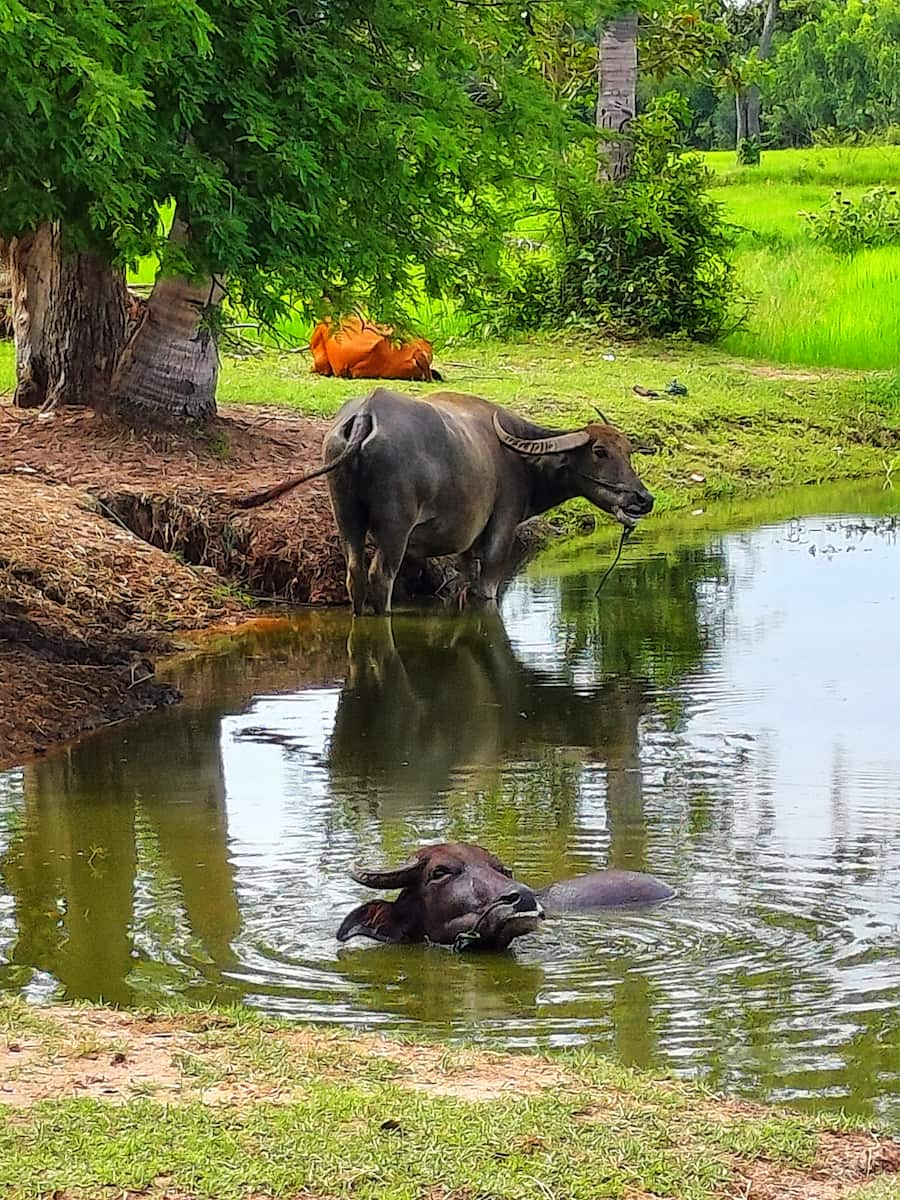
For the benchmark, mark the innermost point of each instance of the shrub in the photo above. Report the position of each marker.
(530, 298)
(846, 226)
(749, 152)
(647, 255)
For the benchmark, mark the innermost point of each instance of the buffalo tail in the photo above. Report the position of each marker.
(362, 427)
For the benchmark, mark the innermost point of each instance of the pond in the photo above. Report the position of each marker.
(725, 717)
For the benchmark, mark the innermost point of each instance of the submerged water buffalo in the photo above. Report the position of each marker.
(454, 474)
(460, 895)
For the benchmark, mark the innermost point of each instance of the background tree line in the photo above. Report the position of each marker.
(831, 72)
(276, 155)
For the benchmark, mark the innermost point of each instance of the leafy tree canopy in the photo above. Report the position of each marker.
(841, 70)
(335, 145)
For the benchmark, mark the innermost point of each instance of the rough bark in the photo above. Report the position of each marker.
(5, 292)
(754, 97)
(69, 320)
(169, 368)
(740, 111)
(616, 94)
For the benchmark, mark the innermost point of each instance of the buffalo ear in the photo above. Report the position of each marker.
(375, 919)
(390, 877)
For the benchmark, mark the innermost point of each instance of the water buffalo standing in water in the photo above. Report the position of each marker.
(454, 474)
(460, 895)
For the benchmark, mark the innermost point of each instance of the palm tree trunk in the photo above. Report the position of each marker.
(616, 94)
(68, 316)
(169, 368)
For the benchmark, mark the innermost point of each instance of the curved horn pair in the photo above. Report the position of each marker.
(554, 444)
(393, 877)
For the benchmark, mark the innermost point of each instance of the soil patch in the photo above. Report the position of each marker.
(119, 1056)
(843, 1163)
(60, 1053)
(111, 540)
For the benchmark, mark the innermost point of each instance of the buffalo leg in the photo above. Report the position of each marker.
(493, 552)
(352, 519)
(356, 577)
(382, 574)
(391, 537)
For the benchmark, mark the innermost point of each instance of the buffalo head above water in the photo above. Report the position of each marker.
(454, 894)
(597, 461)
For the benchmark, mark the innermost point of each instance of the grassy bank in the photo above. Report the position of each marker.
(742, 430)
(809, 306)
(227, 1105)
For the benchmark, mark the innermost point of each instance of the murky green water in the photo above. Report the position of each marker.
(727, 717)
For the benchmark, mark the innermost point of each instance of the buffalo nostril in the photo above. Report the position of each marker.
(521, 899)
(645, 502)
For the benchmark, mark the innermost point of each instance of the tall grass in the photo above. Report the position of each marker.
(832, 166)
(808, 306)
(813, 308)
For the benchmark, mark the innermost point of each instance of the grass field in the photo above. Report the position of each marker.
(743, 429)
(809, 306)
(831, 166)
(229, 1106)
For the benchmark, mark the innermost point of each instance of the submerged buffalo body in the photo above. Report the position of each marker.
(454, 474)
(460, 895)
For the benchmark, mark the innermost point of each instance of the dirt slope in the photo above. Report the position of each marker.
(85, 604)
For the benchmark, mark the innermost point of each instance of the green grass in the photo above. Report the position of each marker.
(810, 307)
(831, 166)
(744, 429)
(767, 213)
(306, 1113)
(7, 367)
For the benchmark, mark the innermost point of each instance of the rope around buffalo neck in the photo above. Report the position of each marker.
(626, 534)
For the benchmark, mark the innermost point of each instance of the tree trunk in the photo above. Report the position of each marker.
(170, 366)
(5, 293)
(754, 98)
(616, 95)
(69, 319)
(740, 112)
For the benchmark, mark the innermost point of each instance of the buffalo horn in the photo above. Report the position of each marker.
(557, 444)
(393, 877)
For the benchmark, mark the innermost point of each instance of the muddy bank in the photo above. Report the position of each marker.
(174, 490)
(111, 540)
(85, 607)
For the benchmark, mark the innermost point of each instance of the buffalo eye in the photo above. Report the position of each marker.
(599, 451)
(439, 873)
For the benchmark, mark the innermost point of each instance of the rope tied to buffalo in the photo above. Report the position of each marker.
(627, 531)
